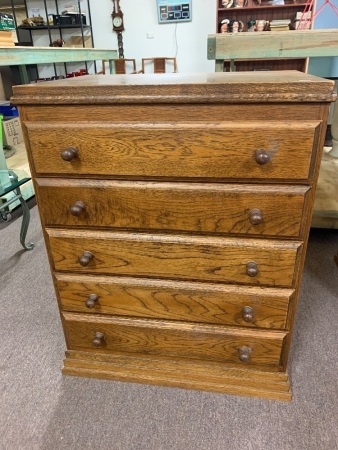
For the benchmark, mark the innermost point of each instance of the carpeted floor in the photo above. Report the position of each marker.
(41, 409)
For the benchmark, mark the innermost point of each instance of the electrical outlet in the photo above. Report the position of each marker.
(150, 35)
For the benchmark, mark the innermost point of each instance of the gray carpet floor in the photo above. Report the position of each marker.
(41, 409)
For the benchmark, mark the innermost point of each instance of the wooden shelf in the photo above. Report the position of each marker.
(263, 6)
(52, 27)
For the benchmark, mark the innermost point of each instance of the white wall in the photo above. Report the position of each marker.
(140, 18)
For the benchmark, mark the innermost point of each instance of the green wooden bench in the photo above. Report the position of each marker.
(272, 45)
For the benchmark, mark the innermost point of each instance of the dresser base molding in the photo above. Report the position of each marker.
(197, 375)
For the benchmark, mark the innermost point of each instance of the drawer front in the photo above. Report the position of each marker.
(174, 300)
(251, 150)
(183, 340)
(204, 208)
(245, 261)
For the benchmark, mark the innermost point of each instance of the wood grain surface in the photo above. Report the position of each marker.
(191, 150)
(289, 44)
(175, 300)
(166, 168)
(182, 257)
(202, 208)
(205, 113)
(187, 374)
(182, 340)
(286, 86)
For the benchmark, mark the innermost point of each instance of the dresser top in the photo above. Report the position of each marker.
(286, 86)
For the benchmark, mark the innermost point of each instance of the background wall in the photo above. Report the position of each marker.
(140, 18)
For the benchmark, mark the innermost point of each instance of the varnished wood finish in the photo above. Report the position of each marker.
(179, 257)
(287, 86)
(168, 150)
(205, 113)
(190, 374)
(177, 232)
(182, 301)
(182, 340)
(174, 206)
(274, 44)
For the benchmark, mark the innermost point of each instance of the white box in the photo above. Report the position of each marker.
(12, 132)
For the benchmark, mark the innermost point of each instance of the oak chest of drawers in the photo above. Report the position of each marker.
(176, 212)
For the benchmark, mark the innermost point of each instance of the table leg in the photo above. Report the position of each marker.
(334, 130)
(25, 221)
(24, 74)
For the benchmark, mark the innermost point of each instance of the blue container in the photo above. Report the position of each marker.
(9, 110)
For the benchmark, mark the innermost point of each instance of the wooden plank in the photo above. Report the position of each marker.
(45, 55)
(206, 375)
(279, 44)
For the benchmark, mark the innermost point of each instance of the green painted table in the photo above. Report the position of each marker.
(22, 56)
(11, 181)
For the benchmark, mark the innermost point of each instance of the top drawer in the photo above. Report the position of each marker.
(251, 150)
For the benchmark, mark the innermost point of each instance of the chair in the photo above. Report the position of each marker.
(160, 64)
(122, 66)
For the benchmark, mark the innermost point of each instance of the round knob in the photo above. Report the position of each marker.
(69, 153)
(85, 259)
(251, 269)
(244, 354)
(262, 157)
(91, 300)
(98, 339)
(256, 216)
(247, 314)
(77, 208)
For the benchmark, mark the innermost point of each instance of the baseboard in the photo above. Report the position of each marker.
(198, 375)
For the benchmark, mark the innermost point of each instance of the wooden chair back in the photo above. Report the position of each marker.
(122, 66)
(160, 64)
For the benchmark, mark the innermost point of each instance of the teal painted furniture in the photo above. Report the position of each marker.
(11, 182)
(22, 56)
(269, 44)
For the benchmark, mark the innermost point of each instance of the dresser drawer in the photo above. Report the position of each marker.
(245, 261)
(175, 300)
(204, 208)
(248, 150)
(182, 340)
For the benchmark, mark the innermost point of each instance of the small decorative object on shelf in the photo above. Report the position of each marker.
(33, 22)
(58, 43)
(252, 25)
(280, 25)
(227, 3)
(240, 3)
(236, 26)
(224, 26)
(262, 25)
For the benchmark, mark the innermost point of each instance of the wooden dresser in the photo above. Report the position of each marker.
(176, 212)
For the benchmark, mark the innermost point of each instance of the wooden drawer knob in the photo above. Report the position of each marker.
(256, 216)
(77, 208)
(247, 314)
(69, 153)
(85, 259)
(91, 300)
(251, 269)
(244, 354)
(262, 157)
(98, 339)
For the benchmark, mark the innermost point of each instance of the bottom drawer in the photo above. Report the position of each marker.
(181, 340)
